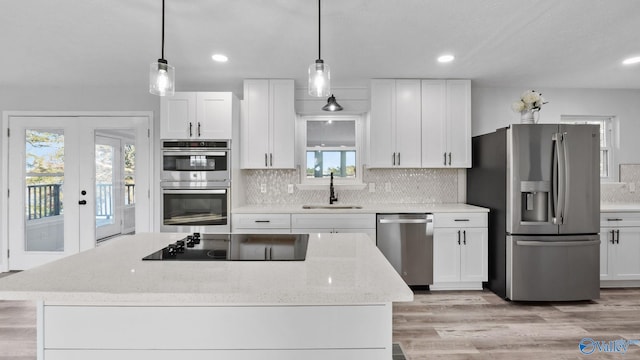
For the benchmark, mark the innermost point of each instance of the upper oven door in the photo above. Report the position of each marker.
(195, 165)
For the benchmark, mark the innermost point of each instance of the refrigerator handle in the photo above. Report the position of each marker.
(559, 183)
(566, 170)
(554, 177)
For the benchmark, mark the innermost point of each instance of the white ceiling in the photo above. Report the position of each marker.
(529, 43)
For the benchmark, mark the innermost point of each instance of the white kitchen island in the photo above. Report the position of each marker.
(107, 303)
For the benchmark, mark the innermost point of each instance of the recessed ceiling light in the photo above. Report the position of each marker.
(220, 58)
(446, 58)
(631, 60)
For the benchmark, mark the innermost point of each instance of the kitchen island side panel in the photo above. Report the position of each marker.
(486, 187)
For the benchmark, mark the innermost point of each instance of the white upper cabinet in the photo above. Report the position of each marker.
(267, 124)
(446, 123)
(196, 115)
(395, 123)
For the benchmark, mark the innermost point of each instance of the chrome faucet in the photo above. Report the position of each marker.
(332, 193)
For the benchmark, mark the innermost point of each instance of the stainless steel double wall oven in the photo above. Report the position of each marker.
(196, 186)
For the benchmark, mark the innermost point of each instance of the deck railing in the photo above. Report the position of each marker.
(45, 200)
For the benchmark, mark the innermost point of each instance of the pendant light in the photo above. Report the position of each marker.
(319, 77)
(332, 104)
(161, 74)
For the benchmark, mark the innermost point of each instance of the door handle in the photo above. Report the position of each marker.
(265, 160)
(398, 159)
(613, 236)
(464, 237)
(617, 236)
(270, 159)
(445, 159)
(198, 128)
(449, 159)
(82, 202)
(458, 237)
(393, 158)
(190, 129)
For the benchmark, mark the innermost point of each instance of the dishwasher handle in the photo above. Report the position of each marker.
(404, 221)
(427, 220)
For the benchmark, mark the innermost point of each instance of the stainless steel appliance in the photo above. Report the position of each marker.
(406, 240)
(185, 160)
(195, 207)
(195, 186)
(542, 185)
(235, 247)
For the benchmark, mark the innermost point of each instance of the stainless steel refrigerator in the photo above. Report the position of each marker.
(541, 183)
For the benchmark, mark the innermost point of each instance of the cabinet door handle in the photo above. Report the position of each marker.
(445, 159)
(464, 236)
(449, 158)
(270, 159)
(265, 253)
(613, 236)
(265, 160)
(458, 237)
(460, 219)
(617, 236)
(190, 129)
(270, 253)
(262, 221)
(614, 219)
(393, 158)
(198, 128)
(398, 159)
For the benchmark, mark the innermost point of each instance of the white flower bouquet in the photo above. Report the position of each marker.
(530, 100)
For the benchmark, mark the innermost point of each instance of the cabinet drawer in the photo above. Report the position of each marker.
(261, 221)
(612, 219)
(331, 221)
(459, 220)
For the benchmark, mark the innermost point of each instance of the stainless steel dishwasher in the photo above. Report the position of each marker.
(406, 240)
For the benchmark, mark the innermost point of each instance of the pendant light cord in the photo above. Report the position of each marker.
(162, 57)
(319, 57)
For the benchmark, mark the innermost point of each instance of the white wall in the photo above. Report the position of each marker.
(491, 109)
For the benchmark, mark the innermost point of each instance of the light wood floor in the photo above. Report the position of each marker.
(480, 325)
(450, 325)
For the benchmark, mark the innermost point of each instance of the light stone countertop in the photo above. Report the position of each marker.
(366, 209)
(619, 207)
(339, 269)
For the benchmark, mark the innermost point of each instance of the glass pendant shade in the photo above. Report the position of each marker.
(161, 78)
(332, 104)
(319, 79)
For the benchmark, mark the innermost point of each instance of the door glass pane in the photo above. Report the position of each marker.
(104, 185)
(129, 174)
(44, 200)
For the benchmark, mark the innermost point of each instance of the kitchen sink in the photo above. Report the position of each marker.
(331, 207)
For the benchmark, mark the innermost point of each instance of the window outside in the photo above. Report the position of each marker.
(331, 148)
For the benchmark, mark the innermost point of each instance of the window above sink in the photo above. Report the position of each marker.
(329, 144)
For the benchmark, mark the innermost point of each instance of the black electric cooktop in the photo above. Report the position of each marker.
(235, 247)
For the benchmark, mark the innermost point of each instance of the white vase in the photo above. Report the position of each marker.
(526, 117)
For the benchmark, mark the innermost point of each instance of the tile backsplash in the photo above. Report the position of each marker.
(621, 192)
(413, 186)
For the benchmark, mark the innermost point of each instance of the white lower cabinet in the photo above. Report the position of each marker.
(334, 223)
(460, 251)
(620, 249)
(261, 223)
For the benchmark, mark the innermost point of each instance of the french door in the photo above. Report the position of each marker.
(57, 168)
(109, 186)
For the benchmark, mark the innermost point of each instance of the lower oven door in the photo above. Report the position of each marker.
(195, 210)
